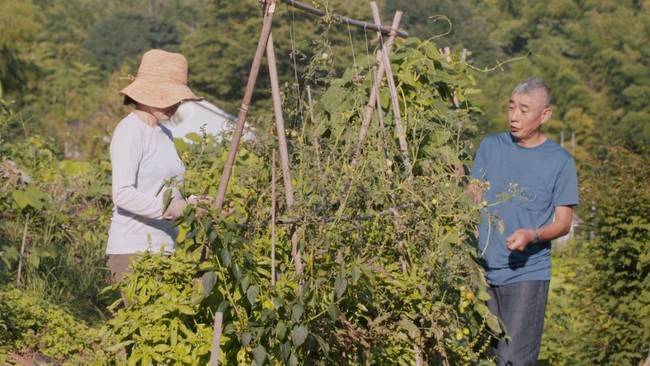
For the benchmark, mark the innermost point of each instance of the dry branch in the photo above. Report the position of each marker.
(343, 19)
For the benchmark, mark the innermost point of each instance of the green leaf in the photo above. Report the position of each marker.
(194, 137)
(225, 257)
(208, 280)
(293, 360)
(356, 274)
(323, 345)
(180, 144)
(493, 324)
(119, 346)
(246, 338)
(340, 285)
(481, 308)
(31, 196)
(244, 282)
(408, 325)
(483, 295)
(20, 197)
(285, 350)
(71, 168)
(259, 354)
(333, 311)
(296, 312)
(299, 335)
(252, 293)
(167, 198)
(281, 330)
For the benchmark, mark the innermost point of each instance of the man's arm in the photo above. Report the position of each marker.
(559, 227)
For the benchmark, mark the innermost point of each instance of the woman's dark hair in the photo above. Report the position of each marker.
(128, 100)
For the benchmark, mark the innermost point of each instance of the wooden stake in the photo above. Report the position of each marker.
(284, 151)
(393, 90)
(273, 218)
(243, 111)
(216, 339)
(279, 121)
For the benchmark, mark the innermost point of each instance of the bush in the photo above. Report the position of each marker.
(30, 324)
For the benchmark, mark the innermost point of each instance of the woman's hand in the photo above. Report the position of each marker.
(175, 209)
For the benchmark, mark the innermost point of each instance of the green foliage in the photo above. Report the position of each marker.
(30, 324)
(125, 36)
(19, 28)
(388, 289)
(221, 50)
(164, 322)
(424, 19)
(606, 274)
(49, 204)
(589, 53)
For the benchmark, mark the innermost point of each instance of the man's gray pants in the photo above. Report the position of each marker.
(521, 307)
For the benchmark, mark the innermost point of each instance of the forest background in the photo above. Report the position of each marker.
(62, 63)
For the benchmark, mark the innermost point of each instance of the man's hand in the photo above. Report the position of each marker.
(519, 239)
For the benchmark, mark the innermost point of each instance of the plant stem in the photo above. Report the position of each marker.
(22, 250)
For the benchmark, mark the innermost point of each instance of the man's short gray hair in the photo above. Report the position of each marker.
(528, 85)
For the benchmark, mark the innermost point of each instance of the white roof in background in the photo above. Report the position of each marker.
(192, 116)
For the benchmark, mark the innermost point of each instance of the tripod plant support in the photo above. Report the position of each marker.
(269, 10)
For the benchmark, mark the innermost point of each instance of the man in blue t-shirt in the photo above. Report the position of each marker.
(528, 186)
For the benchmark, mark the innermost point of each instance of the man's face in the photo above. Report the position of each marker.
(527, 113)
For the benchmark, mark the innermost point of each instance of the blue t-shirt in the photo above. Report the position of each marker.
(525, 186)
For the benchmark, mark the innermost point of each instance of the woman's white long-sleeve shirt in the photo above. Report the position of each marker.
(143, 159)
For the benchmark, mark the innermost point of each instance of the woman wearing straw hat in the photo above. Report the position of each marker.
(144, 161)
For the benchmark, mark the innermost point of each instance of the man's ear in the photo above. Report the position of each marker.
(546, 114)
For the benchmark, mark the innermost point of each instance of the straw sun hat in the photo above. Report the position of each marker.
(161, 80)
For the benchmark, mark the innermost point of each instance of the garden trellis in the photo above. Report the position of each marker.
(265, 44)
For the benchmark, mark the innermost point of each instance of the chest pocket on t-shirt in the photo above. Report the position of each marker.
(535, 199)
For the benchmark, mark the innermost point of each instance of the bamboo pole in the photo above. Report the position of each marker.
(279, 121)
(284, 152)
(342, 19)
(273, 218)
(393, 90)
(216, 339)
(243, 111)
(387, 47)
